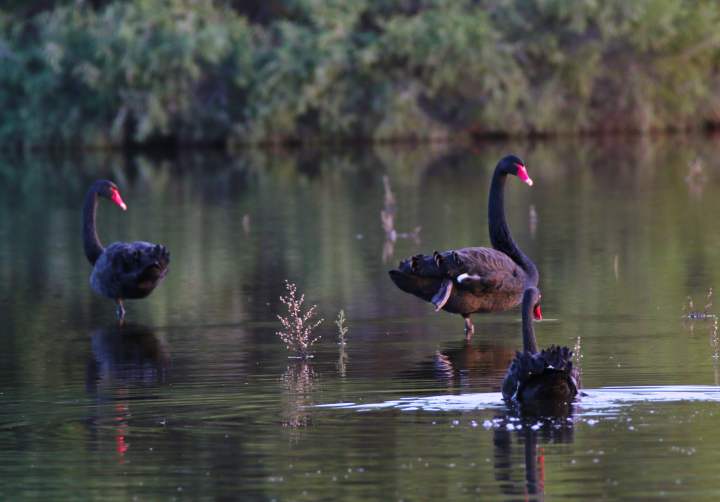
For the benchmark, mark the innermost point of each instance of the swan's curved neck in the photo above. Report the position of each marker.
(500, 232)
(529, 341)
(91, 242)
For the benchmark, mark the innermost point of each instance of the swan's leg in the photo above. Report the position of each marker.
(120, 310)
(469, 328)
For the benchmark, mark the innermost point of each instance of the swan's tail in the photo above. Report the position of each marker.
(424, 276)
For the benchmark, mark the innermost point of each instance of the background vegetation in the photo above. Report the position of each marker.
(189, 72)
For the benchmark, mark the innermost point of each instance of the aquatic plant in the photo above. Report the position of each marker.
(342, 328)
(690, 313)
(298, 326)
(342, 331)
(577, 358)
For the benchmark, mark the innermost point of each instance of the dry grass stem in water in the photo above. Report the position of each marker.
(692, 314)
(577, 357)
(342, 329)
(298, 326)
(696, 178)
(387, 218)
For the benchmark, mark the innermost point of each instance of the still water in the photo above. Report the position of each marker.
(196, 398)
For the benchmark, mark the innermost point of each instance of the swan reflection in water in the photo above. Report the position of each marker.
(517, 430)
(464, 365)
(525, 432)
(127, 354)
(122, 357)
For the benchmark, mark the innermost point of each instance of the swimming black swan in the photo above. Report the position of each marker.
(123, 270)
(475, 280)
(548, 375)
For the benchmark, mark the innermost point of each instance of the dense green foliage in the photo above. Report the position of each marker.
(226, 72)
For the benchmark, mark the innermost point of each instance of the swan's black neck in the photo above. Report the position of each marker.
(91, 242)
(500, 232)
(529, 341)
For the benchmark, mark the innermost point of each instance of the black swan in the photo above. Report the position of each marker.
(477, 279)
(548, 375)
(123, 270)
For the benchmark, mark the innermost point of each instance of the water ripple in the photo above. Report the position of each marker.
(593, 401)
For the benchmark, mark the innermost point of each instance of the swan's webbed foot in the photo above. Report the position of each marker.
(469, 327)
(120, 311)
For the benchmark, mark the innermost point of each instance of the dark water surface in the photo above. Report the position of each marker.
(196, 398)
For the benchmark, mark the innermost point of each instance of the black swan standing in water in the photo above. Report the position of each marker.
(123, 270)
(548, 375)
(477, 279)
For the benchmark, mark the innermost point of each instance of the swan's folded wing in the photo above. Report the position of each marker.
(484, 270)
(422, 266)
(131, 260)
(473, 261)
(479, 261)
(477, 270)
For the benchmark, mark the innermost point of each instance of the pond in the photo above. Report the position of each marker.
(196, 398)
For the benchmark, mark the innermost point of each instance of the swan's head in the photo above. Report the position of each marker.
(515, 166)
(109, 190)
(531, 299)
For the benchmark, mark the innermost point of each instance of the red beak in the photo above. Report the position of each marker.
(115, 197)
(523, 175)
(537, 313)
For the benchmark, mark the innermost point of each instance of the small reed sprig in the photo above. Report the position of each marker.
(298, 326)
(342, 328)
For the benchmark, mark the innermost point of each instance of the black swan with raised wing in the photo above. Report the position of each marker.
(476, 279)
(123, 270)
(548, 375)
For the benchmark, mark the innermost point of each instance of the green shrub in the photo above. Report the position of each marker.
(226, 72)
(131, 72)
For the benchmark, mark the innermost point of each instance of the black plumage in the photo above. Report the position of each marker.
(123, 270)
(546, 375)
(475, 279)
